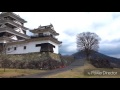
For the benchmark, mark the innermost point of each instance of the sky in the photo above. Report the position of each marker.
(68, 24)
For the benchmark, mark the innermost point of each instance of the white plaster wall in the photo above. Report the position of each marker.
(30, 47)
(3, 26)
(56, 49)
(35, 34)
(18, 22)
(3, 41)
(20, 30)
(46, 33)
(14, 37)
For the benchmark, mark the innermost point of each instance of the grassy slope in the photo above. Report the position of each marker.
(78, 73)
(9, 73)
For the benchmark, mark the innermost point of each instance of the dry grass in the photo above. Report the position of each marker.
(79, 73)
(11, 73)
(74, 73)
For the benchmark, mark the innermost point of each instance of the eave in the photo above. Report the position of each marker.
(7, 39)
(44, 30)
(15, 16)
(37, 39)
(13, 23)
(14, 32)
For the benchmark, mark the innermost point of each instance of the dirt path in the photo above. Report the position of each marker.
(75, 64)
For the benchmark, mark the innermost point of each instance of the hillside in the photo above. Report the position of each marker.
(79, 72)
(99, 57)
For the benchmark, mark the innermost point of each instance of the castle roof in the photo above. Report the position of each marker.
(13, 23)
(36, 39)
(9, 30)
(3, 14)
(48, 28)
(7, 38)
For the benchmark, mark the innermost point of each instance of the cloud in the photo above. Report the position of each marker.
(70, 32)
(68, 48)
(111, 48)
(97, 25)
(116, 15)
(69, 24)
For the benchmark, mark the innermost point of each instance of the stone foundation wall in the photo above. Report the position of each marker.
(36, 56)
(55, 56)
(31, 61)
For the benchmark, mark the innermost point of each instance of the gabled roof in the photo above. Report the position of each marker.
(14, 32)
(13, 23)
(48, 28)
(3, 14)
(7, 38)
(36, 39)
(44, 30)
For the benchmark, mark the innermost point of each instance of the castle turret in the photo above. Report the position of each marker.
(47, 33)
(13, 32)
(12, 26)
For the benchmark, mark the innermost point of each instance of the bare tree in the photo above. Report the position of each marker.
(3, 57)
(87, 42)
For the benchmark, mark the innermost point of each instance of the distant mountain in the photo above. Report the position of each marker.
(99, 58)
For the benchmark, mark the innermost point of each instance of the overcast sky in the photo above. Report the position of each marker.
(69, 24)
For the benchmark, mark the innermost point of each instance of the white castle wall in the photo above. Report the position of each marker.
(14, 37)
(20, 30)
(56, 49)
(3, 41)
(44, 33)
(30, 47)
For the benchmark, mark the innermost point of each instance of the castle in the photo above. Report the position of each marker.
(14, 40)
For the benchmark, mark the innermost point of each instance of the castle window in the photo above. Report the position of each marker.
(40, 34)
(8, 49)
(24, 47)
(38, 45)
(15, 48)
(5, 18)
